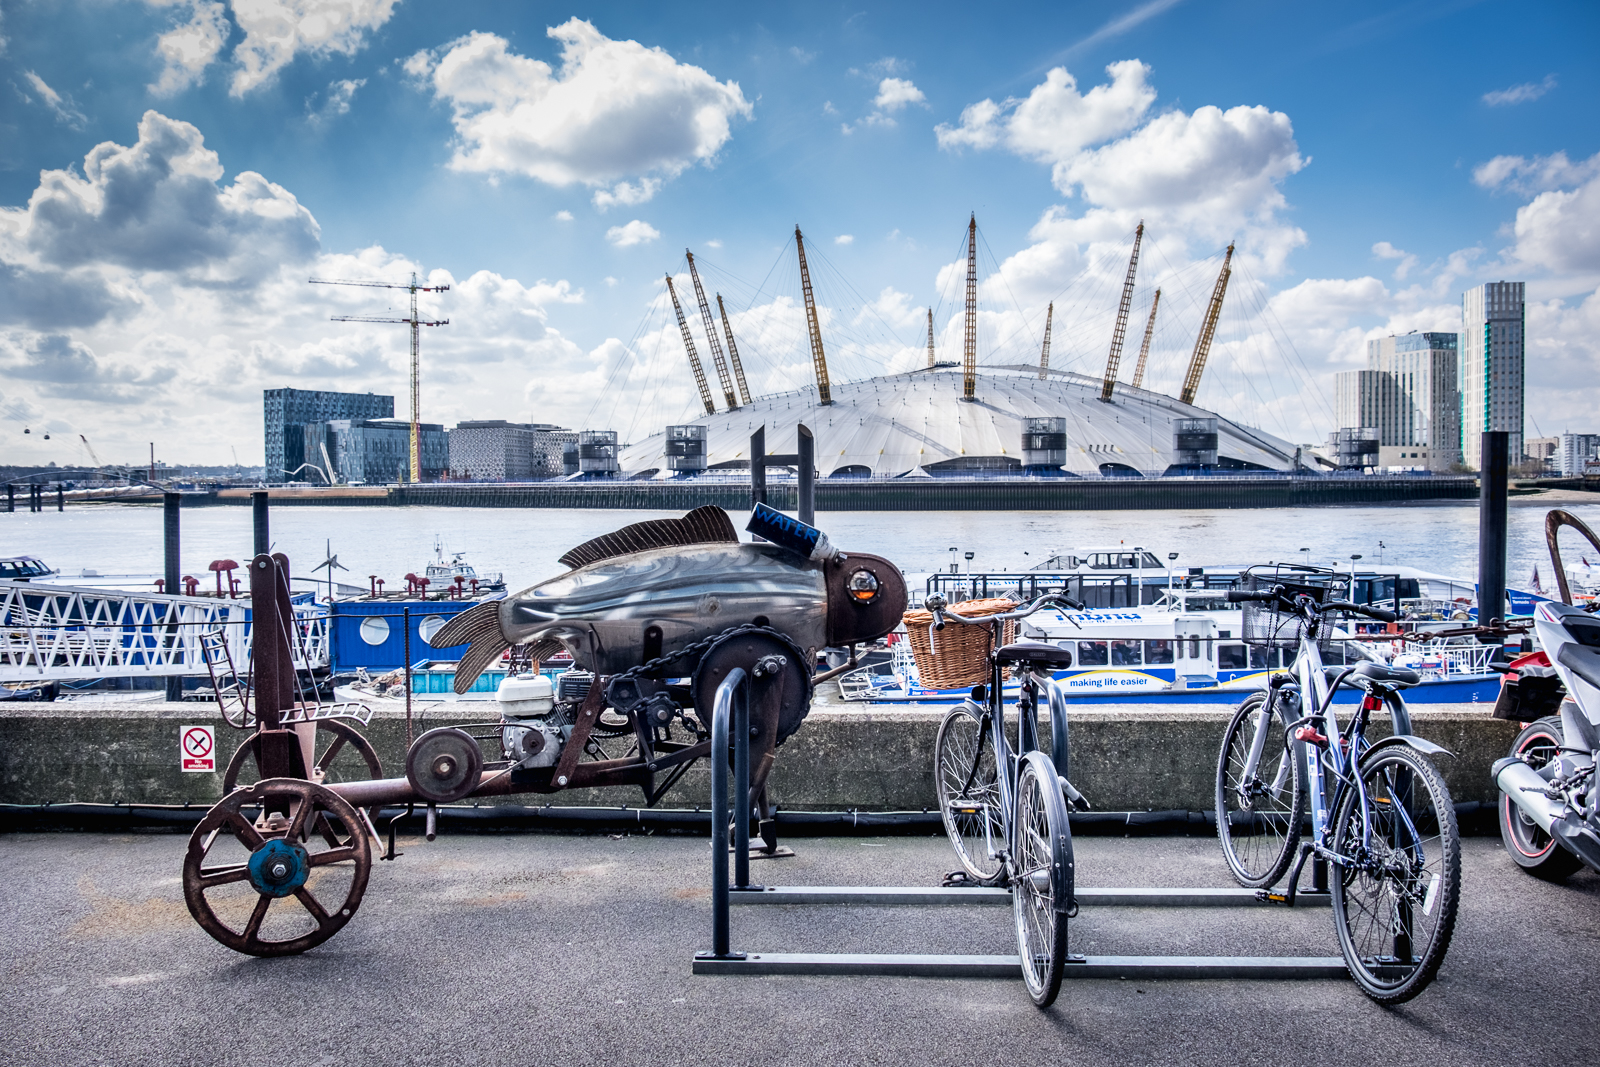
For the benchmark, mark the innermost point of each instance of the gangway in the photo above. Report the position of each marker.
(64, 633)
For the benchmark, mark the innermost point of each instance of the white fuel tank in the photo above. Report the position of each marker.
(526, 696)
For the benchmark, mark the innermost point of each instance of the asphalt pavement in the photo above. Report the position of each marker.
(545, 949)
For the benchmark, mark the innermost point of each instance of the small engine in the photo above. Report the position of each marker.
(534, 727)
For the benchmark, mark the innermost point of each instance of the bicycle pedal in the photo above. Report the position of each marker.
(1267, 896)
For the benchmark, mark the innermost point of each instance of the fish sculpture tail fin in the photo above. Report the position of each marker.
(479, 628)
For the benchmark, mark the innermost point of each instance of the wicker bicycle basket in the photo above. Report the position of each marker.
(957, 656)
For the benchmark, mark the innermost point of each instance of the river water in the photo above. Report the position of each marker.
(525, 544)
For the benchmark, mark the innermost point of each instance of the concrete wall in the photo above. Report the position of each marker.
(1128, 758)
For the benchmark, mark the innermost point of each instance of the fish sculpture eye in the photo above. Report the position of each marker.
(863, 586)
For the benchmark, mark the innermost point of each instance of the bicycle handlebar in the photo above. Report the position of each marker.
(1240, 596)
(1277, 594)
(936, 605)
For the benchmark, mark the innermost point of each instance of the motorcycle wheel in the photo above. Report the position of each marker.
(1534, 850)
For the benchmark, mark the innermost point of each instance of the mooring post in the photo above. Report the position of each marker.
(758, 468)
(11, 497)
(174, 572)
(1492, 530)
(258, 512)
(806, 504)
(61, 498)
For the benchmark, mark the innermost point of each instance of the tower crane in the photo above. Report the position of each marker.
(717, 358)
(1114, 357)
(414, 321)
(1202, 344)
(819, 358)
(1144, 349)
(694, 357)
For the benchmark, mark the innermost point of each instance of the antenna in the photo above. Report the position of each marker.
(414, 322)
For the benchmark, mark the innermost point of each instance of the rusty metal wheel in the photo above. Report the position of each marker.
(340, 739)
(277, 867)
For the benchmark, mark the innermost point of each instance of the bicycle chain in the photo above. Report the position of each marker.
(695, 648)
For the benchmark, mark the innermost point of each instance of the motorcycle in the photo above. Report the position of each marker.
(1549, 795)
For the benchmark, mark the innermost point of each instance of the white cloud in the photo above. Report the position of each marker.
(633, 233)
(626, 193)
(610, 281)
(61, 108)
(188, 48)
(1385, 250)
(335, 102)
(562, 216)
(1559, 231)
(1536, 175)
(896, 93)
(1055, 122)
(1122, 24)
(844, 239)
(275, 32)
(801, 55)
(1520, 94)
(614, 110)
(713, 244)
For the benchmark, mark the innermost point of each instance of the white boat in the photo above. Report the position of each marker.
(442, 573)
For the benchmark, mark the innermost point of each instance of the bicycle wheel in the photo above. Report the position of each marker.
(1526, 841)
(1396, 892)
(969, 792)
(1042, 869)
(1258, 815)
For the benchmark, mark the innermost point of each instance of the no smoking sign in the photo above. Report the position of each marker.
(197, 748)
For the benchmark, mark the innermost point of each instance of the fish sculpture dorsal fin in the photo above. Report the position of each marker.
(702, 526)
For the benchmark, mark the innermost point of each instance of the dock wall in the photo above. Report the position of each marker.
(1125, 758)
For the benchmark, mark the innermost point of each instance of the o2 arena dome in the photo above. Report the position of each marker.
(949, 419)
(917, 424)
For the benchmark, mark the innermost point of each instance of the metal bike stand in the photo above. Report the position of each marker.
(731, 715)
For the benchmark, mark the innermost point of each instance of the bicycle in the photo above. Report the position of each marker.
(1391, 840)
(1005, 810)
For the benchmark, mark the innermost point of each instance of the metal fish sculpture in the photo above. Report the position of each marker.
(662, 585)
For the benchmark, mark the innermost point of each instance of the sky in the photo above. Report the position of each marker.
(174, 172)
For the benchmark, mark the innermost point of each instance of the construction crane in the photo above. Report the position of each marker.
(1114, 357)
(1144, 349)
(930, 337)
(717, 358)
(1202, 344)
(1044, 352)
(90, 449)
(694, 357)
(415, 322)
(969, 344)
(733, 354)
(819, 358)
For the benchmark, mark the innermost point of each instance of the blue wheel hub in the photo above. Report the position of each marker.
(278, 868)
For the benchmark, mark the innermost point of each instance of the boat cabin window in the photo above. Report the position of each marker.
(1106, 561)
(1231, 656)
(1092, 653)
(1263, 658)
(1125, 654)
(1158, 652)
(22, 567)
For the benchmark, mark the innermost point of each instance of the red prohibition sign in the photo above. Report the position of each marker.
(197, 743)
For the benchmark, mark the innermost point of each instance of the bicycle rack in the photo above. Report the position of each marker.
(731, 716)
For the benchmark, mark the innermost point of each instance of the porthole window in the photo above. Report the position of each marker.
(375, 630)
(430, 626)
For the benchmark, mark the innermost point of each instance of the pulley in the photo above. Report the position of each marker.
(444, 765)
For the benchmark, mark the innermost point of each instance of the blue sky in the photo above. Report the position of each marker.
(1370, 160)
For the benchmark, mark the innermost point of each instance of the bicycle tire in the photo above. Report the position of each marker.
(1257, 844)
(969, 804)
(1042, 863)
(1414, 865)
(1532, 849)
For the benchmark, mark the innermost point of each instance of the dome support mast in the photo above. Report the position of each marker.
(930, 338)
(694, 357)
(1044, 351)
(733, 354)
(1202, 344)
(1114, 357)
(969, 345)
(819, 358)
(1144, 349)
(718, 360)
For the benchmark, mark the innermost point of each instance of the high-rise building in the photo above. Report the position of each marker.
(287, 411)
(1574, 452)
(1491, 367)
(495, 450)
(1409, 395)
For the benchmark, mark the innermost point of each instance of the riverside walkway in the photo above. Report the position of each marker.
(550, 949)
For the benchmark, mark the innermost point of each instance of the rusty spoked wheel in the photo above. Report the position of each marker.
(277, 867)
(345, 755)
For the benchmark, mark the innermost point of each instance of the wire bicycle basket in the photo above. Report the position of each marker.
(1268, 625)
